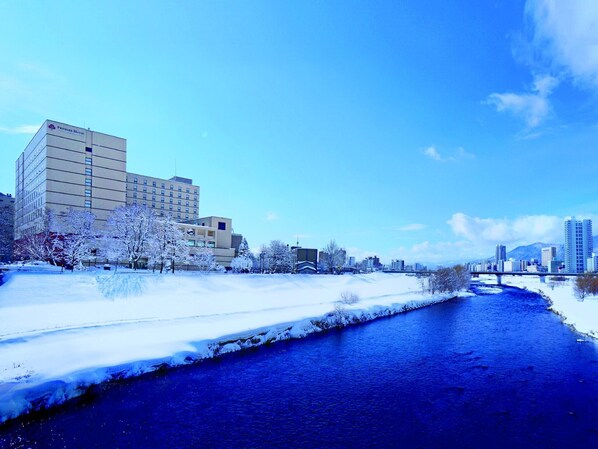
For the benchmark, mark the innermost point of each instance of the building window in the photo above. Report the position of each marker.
(153, 190)
(87, 192)
(162, 206)
(170, 207)
(144, 196)
(135, 180)
(88, 203)
(145, 182)
(135, 188)
(211, 245)
(87, 182)
(162, 192)
(180, 196)
(187, 203)
(179, 202)
(187, 210)
(153, 198)
(145, 189)
(195, 192)
(187, 190)
(87, 171)
(186, 197)
(88, 149)
(171, 194)
(171, 187)
(134, 194)
(170, 200)
(163, 185)
(221, 226)
(191, 242)
(153, 205)
(161, 200)
(178, 209)
(154, 183)
(186, 217)
(87, 161)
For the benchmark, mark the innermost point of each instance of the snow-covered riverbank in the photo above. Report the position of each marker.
(581, 315)
(62, 332)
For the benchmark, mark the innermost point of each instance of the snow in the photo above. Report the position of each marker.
(581, 315)
(62, 332)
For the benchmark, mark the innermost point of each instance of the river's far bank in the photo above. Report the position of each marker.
(62, 333)
(580, 315)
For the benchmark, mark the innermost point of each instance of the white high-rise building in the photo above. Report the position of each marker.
(548, 255)
(578, 244)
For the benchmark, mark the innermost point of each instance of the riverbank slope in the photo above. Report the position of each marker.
(63, 332)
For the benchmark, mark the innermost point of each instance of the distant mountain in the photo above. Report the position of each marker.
(534, 251)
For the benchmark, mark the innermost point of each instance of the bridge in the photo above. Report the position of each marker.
(542, 275)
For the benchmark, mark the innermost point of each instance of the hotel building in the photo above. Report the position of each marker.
(66, 167)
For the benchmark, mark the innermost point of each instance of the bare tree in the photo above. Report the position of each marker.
(204, 260)
(43, 243)
(129, 232)
(167, 244)
(333, 257)
(78, 236)
(278, 257)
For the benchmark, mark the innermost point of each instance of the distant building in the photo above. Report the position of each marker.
(501, 254)
(554, 266)
(7, 230)
(306, 260)
(351, 261)
(236, 240)
(397, 265)
(592, 263)
(578, 244)
(548, 255)
(511, 265)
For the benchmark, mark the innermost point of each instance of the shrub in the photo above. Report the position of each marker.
(348, 297)
(586, 285)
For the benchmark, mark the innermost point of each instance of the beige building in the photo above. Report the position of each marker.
(214, 233)
(65, 166)
(175, 196)
(548, 255)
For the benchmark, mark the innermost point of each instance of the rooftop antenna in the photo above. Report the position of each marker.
(297, 239)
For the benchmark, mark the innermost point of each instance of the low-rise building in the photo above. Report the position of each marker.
(7, 230)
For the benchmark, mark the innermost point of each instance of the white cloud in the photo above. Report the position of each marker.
(565, 34)
(432, 153)
(22, 129)
(460, 153)
(271, 216)
(533, 107)
(522, 230)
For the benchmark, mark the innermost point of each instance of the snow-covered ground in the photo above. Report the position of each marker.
(581, 315)
(62, 332)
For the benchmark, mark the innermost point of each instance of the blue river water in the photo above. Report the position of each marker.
(491, 371)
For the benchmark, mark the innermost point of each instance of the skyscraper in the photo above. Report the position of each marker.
(548, 255)
(501, 254)
(578, 244)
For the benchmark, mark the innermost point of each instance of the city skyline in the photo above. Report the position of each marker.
(374, 125)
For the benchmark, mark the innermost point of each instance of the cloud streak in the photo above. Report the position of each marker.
(22, 129)
(432, 153)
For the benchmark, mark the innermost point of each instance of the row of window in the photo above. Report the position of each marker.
(201, 243)
(162, 192)
(163, 185)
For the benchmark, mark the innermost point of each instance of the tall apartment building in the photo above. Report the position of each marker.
(65, 166)
(548, 255)
(501, 254)
(69, 167)
(578, 244)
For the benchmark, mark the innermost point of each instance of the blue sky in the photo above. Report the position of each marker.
(426, 131)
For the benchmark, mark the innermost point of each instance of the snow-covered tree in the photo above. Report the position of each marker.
(333, 257)
(129, 233)
(244, 249)
(241, 264)
(43, 243)
(78, 236)
(204, 260)
(167, 244)
(278, 257)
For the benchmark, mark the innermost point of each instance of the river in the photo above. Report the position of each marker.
(491, 371)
